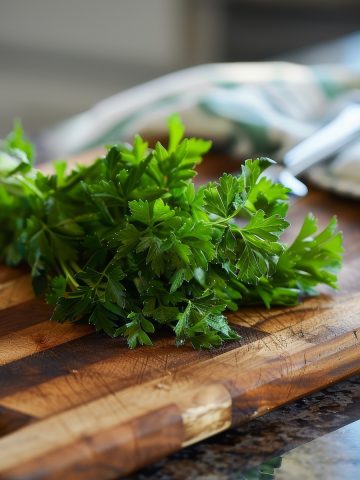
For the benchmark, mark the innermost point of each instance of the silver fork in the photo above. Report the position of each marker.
(323, 145)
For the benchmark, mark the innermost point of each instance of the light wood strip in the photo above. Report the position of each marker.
(299, 375)
(15, 292)
(37, 338)
(327, 307)
(276, 319)
(206, 413)
(113, 452)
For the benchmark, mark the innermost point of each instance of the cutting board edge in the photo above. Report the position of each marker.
(214, 407)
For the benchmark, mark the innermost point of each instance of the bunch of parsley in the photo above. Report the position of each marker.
(128, 244)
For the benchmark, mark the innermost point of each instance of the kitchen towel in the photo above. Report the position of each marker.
(247, 109)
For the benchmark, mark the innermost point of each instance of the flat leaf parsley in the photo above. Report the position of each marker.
(128, 244)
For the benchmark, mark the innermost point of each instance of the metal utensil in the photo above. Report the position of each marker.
(324, 144)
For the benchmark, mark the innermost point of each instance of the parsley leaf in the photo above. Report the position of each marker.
(128, 244)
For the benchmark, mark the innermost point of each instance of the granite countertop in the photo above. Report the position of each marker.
(317, 437)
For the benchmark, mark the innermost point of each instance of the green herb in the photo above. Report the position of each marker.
(128, 243)
(264, 471)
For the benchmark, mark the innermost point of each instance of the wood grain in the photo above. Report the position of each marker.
(27, 313)
(79, 405)
(11, 420)
(15, 291)
(37, 338)
(284, 366)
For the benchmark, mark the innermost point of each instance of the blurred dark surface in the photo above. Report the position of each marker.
(262, 29)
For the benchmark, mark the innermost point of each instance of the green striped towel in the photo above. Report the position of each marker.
(249, 108)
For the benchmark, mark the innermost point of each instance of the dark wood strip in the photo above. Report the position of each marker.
(24, 315)
(60, 360)
(11, 420)
(7, 274)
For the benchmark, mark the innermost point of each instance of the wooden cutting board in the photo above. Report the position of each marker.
(78, 405)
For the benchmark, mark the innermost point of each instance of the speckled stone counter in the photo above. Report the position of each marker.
(317, 437)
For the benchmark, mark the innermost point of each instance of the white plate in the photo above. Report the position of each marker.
(324, 178)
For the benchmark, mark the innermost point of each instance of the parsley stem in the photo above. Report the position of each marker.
(68, 275)
(79, 218)
(75, 266)
(77, 178)
(31, 187)
(11, 187)
(221, 222)
(224, 221)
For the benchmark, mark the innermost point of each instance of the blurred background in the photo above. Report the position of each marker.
(59, 58)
